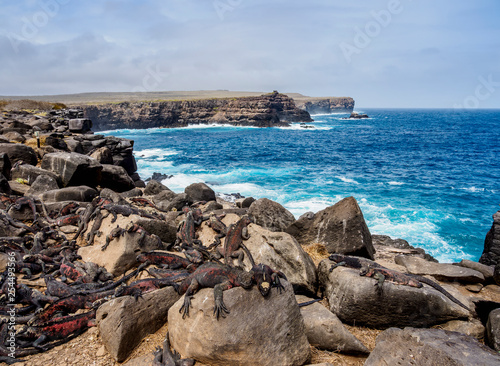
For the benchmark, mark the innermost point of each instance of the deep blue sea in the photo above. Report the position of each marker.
(431, 177)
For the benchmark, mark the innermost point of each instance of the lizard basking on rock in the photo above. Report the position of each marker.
(166, 259)
(218, 226)
(165, 357)
(233, 245)
(265, 277)
(186, 232)
(217, 276)
(57, 329)
(378, 271)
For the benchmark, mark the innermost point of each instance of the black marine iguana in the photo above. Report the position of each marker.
(381, 273)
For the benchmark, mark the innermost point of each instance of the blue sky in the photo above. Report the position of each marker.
(390, 53)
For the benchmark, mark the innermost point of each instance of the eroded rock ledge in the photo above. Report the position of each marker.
(268, 110)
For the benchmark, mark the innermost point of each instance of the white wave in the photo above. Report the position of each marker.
(346, 180)
(179, 182)
(300, 207)
(215, 125)
(329, 114)
(472, 189)
(155, 153)
(306, 127)
(395, 183)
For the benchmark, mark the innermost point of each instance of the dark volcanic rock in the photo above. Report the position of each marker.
(79, 194)
(5, 165)
(430, 347)
(154, 187)
(116, 178)
(493, 330)
(56, 141)
(43, 183)
(103, 155)
(4, 185)
(81, 125)
(74, 168)
(341, 228)
(17, 152)
(491, 252)
(200, 192)
(30, 173)
(270, 215)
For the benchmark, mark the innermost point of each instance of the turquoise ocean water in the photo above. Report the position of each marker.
(431, 177)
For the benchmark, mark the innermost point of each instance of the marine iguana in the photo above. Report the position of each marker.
(167, 259)
(131, 228)
(25, 201)
(124, 210)
(233, 245)
(359, 263)
(165, 357)
(265, 277)
(63, 328)
(218, 276)
(186, 233)
(218, 226)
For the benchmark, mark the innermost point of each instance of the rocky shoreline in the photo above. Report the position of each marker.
(86, 242)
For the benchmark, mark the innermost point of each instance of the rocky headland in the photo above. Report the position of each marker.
(325, 105)
(268, 110)
(104, 269)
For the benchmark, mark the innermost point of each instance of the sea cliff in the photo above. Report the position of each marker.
(268, 110)
(325, 105)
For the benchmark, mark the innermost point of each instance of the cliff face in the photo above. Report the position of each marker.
(326, 105)
(268, 110)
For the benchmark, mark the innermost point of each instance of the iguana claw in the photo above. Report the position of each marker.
(220, 309)
(185, 306)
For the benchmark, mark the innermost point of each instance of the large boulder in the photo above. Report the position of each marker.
(121, 253)
(103, 155)
(124, 322)
(4, 185)
(5, 165)
(278, 250)
(325, 330)
(493, 330)
(257, 331)
(430, 347)
(270, 215)
(80, 125)
(154, 187)
(341, 228)
(355, 299)
(75, 169)
(56, 140)
(116, 178)
(491, 251)
(79, 194)
(42, 184)
(199, 192)
(473, 328)
(19, 152)
(166, 230)
(440, 271)
(30, 173)
(487, 271)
